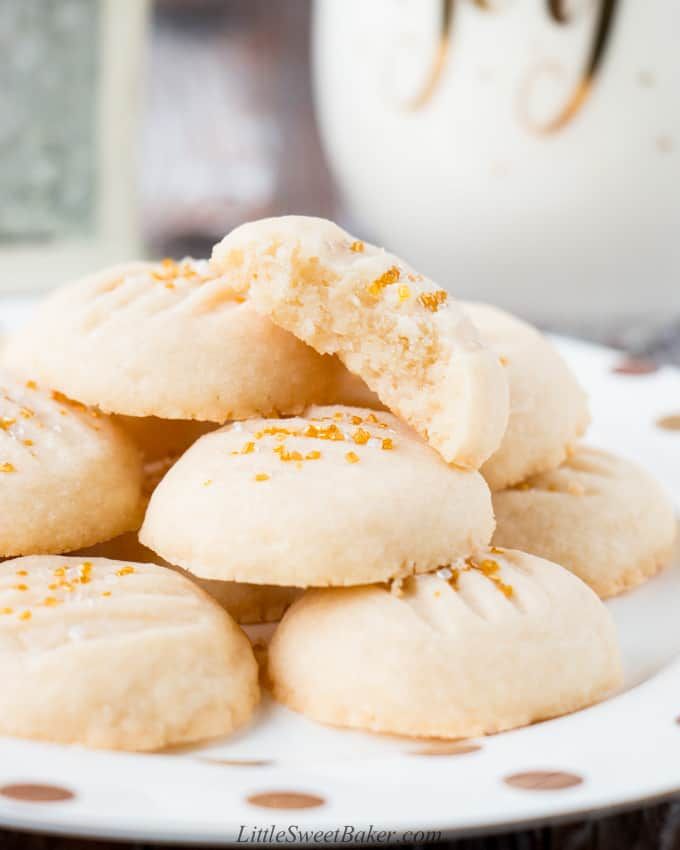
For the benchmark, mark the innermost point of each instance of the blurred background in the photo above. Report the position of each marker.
(525, 152)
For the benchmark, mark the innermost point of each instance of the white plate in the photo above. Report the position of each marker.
(622, 752)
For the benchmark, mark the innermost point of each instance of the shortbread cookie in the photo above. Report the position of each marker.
(598, 515)
(114, 655)
(341, 496)
(488, 644)
(68, 476)
(407, 339)
(548, 408)
(248, 604)
(159, 439)
(172, 340)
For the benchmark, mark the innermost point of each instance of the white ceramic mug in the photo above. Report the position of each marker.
(525, 152)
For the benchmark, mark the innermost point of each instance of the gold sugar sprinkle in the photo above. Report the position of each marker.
(28, 442)
(50, 602)
(25, 615)
(312, 455)
(22, 587)
(357, 246)
(85, 576)
(432, 301)
(356, 420)
(404, 293)
(6, 611)
(6, 423)
(361, 437)
(262, 476)
(285, 455)
(387, 444)
(7, 467)
(106, 593)
(125, 571)
(31, 385)
(26, 413)
(373, 419)
(489, 569)
(208, 482)
(332, 432)
(386, 279)
(351, 457)
(22, 572)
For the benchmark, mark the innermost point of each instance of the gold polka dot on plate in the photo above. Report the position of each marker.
(445, 748)
(285, 800)
(543, 780)
(671, 422)
(237, 762)
(30, 793)
(635, 366)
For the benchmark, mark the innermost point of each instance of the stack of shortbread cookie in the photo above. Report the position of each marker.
(374, 426)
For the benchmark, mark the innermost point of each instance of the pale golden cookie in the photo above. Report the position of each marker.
(489, 644)
(248, 604)
(172, 340)
(407, 339)
(548, 408)
(68, 476)
(341, 496)
(600, 516)
(160, 439)
(113, 655)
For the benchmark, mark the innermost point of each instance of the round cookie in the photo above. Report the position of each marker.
(171, 340)
(489, 644)
(598, 515)
(248, 604)
(112, 655)
(340, 496)
(548, 408)
(159, 439)
(68, 476)
(405, 337)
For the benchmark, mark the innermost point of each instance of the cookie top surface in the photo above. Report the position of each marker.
(177, 340)
(548, 408)
(488, 643)
(52, 602)
(68, 476)
(599, 515)
(334, 497)
(248, 604)
(124, 656)
(402, 334)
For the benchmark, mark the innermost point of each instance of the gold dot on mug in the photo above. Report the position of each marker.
(646, 78)
(543, 780)
(285, 800)
(671, 422)
(33, 793)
